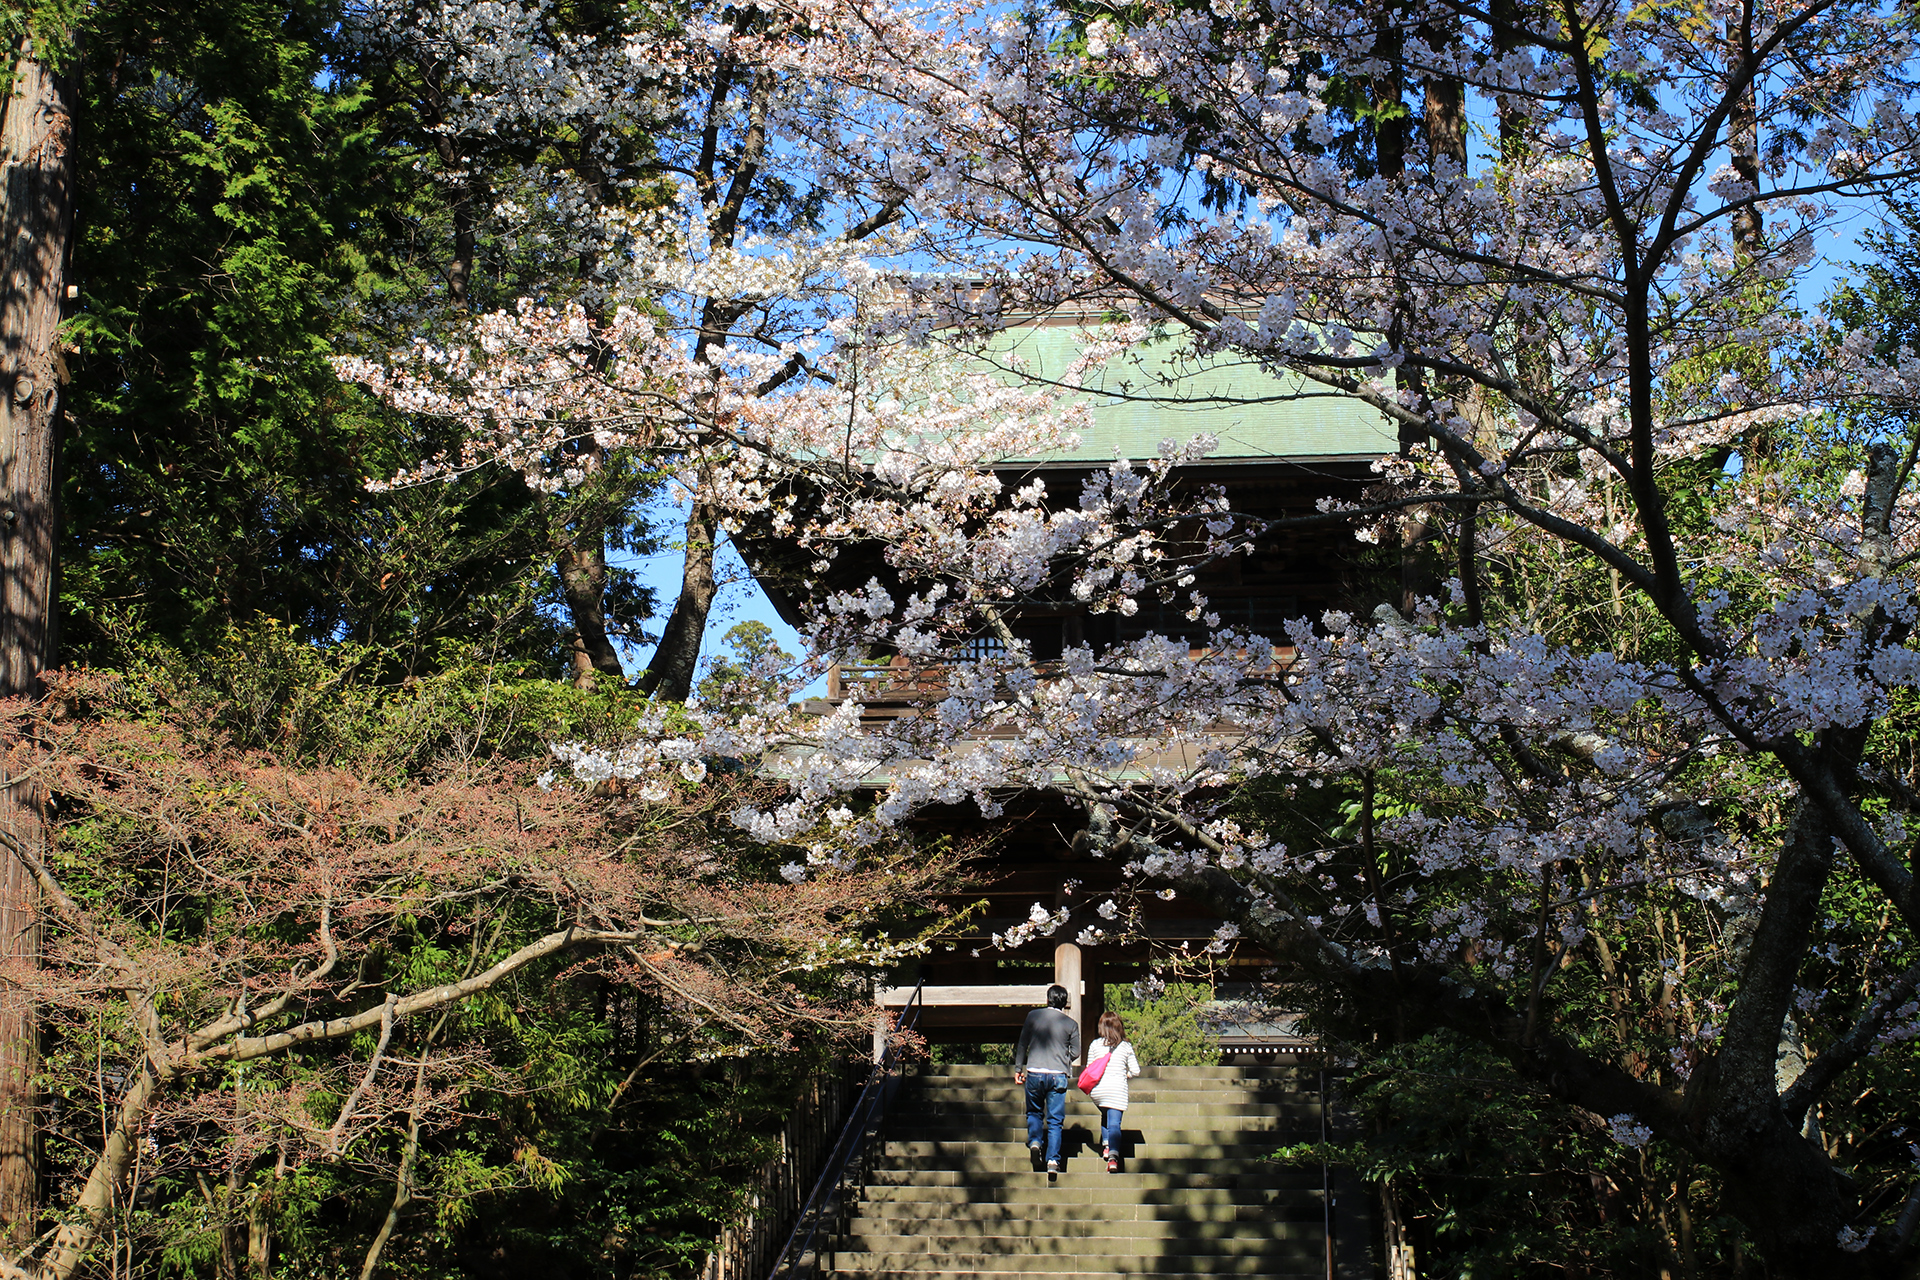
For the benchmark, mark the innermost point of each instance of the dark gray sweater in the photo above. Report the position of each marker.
(1050, 1041)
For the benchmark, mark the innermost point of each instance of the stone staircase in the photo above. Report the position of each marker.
(953, 1194)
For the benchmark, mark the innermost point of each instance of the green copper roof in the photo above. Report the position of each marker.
(1158, 392)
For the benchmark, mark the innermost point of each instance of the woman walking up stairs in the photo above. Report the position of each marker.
(1117, 1065)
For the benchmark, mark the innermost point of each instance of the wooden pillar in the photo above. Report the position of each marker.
(882, 1029)
(1067, 972)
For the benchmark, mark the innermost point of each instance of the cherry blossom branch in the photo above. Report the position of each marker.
(1707, 132)
(1858, 1041)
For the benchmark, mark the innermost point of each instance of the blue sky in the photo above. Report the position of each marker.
(740, 600)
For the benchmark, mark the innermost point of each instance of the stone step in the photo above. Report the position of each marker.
(1087, 1133)
(1139, 1086)
(945, 1249)
(1001, 1102)
(1012, 1268)
(999, 1170)
(954, 1195)
(1145, 1080)
(1183, 1131)
(1004, 1125)
(993, 1119)
(990, 1119)
(1081, 1144)
(1141, 1173)
(1061, 1235)
(1199, 1144)
(1298, 1258)
(1084, 1141)
(1301, 1205)
(1078, 1189)
(1148, 1071)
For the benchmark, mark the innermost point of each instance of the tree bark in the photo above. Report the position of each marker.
(1390, 120)
(670, 674)
(460, 269)
(1445, 105)
(583, 581)
(1511, 108)
(21, 813)
(1780, 1185)
(1743, 140)
(260, 1223)
(36, 156)
(461, 189)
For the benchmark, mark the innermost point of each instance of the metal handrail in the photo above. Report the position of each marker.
(861, 1115)
(1326, 1178)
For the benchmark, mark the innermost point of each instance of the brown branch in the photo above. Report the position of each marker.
(366, 1081)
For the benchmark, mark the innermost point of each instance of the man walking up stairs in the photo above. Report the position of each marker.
(954, 1196)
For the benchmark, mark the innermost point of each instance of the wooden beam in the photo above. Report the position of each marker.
(940, 997)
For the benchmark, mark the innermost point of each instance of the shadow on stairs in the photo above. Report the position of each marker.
(953, 1193)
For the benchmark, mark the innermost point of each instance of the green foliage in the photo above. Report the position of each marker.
(267, 687)
(1498, 1180)
(1165, 1029)
(1883, 296)
(49, 24)
(255, 199)
(213, 459)
(992, 1053)
(745, 676)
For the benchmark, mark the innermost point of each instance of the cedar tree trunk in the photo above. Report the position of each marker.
(36, 156)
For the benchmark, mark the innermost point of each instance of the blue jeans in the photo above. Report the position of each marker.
(1046, 1090)
(1110, 1118)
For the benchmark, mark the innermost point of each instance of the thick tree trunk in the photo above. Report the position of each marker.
(460, 269)
(1780, 1185)
(1743, 140)
(583, 581)
(36, 153)
(21, 814)
(1390, 122)
(1511, 108)
(1445, 107)
(670, 674)
(36, 157)
(460, 193)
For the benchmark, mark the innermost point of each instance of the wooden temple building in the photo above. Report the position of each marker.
(1283, 446)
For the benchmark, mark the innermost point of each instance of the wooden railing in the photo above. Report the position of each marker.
(747, 1248)
(881, 681)
(850, 1158)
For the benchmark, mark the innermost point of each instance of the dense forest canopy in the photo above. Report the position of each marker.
(360, 913)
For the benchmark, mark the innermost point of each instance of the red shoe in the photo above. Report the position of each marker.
(1113, 1163)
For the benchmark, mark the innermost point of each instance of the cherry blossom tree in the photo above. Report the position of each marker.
(1565, 272)
(639, 170)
